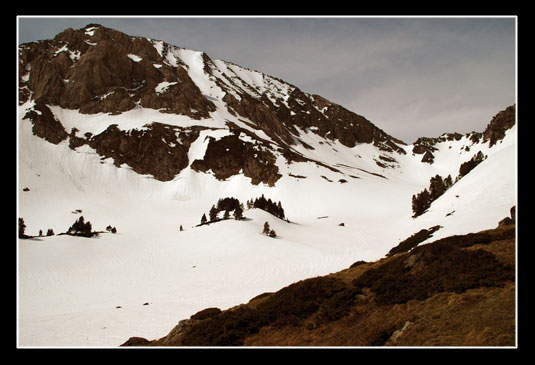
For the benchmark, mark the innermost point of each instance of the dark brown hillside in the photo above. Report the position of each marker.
(457, 291)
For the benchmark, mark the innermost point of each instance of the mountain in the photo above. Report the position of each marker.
(146, 137)
(99, 70)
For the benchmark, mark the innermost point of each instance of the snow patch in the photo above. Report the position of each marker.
(163, 86)
(90, 31)
(134, 58)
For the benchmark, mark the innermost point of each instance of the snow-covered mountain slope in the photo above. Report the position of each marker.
(152, 150)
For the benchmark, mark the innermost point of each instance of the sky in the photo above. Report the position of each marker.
(410, 76)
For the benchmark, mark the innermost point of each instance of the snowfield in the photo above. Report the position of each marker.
(98, 292)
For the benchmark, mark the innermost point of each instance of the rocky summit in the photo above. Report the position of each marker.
(100, 70)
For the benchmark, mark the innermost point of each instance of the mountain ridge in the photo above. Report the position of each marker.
(99, 70)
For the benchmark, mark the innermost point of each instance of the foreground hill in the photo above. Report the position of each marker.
(456, 291)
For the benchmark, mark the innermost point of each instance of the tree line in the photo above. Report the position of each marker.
(230, 204)
(267, 205)
(79, 228)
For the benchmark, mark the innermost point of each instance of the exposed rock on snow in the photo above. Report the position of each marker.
(156, 150)
(230, 155)
(45, 124)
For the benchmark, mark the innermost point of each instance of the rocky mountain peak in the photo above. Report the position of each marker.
(101, 70)
(98, 69)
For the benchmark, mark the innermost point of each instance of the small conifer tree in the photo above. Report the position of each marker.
(420, 203)
(238, 213)
(22, 228)
(81, 228)
(213, 213)
(266, 229)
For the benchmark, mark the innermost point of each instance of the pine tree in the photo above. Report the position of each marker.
(448, 182)
(213, 213)
(81, 228)
(203, 219)
(226, 215)
(22, 228)
(50, 232)
(420, 203)
(266, 228)
(181, 229)
(436, 187)
(238, 213)
(469, 165)
(280, 211)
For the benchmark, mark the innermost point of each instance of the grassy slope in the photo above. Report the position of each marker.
(457, 291)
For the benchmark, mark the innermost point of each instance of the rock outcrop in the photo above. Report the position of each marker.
(141, 148)
(500, 123)
(45, 124)
(230, 156)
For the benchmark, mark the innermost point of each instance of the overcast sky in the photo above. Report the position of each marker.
(410, 76)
